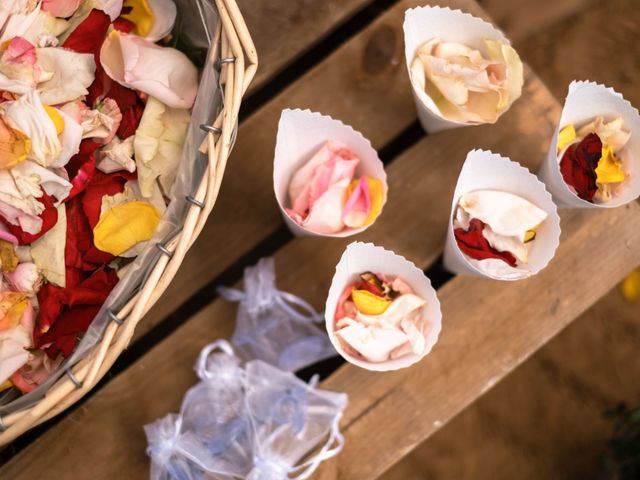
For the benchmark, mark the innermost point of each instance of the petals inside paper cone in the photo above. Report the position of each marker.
(465, 85)
(380, 323)
(591, 164)
(325, 197)
(491, 224)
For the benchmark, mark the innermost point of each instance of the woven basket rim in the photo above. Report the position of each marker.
(235, 55)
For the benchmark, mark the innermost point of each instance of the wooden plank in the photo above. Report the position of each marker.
(424, 175)
(364, 83)
(569, 49)
(524, 18)
(546, 419)
(283, 30)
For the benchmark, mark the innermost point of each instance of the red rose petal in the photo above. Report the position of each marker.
(81, 168)
(473, 244)
(579, 163)
(49, 218)
(66, 313)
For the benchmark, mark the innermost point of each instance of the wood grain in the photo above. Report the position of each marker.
(364, 83)
(422, 176)
(546, 419)
(283, 30)
(571, 49)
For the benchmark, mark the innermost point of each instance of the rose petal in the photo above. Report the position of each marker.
(578, 165)
(158, 145)
(48, 251)
(476, 246)
(61, 8)
(163, 73)
(117, 155)
(72, 74)
(123, 226)
(153, 19)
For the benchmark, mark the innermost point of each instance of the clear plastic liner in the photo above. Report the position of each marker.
(192, 17)
(275, 326)
(254, 423)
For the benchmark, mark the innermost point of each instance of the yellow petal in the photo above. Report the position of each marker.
(566, 136)
(376, 194)
(609, 169)
(14, 146)
(12, 306)
(630, 286)
(123, 226)
(529, 235)
(8, 258)
(368, 303)
(55, 117)
(4, 386)
(141, 16)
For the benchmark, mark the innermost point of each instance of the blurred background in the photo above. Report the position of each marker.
(555, 416)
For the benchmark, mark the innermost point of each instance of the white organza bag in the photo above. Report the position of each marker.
(253, 423)
(275, 326)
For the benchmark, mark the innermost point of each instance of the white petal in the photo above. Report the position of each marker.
(507, 214)
(373, 343)
(34, 176)
(29, 116)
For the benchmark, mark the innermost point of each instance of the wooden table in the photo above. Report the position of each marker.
(356, 73)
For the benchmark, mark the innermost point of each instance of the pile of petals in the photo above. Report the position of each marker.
(490, 226)
(326, 197)
(379, 318)
(591, 163)
(464, 85)
(93, 115)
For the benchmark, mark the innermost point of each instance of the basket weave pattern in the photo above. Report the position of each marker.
(234, 54)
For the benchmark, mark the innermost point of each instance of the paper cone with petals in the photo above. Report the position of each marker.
(362, 257)
(484, 170)
(585, 101)
(422, 24)
(301, 133)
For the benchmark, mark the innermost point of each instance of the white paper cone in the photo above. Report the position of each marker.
(585, 101)
(483, 170)
(422, 24)
(365, 257)
(301, 133)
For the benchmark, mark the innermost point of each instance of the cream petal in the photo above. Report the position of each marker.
(507, 214)
(73, 73)
(163, 73)
(30, 174)
(158, 145)
(373, 343)
(101, 123)
(505, 53)
(48, 251)
(117, 155)
(611, 133)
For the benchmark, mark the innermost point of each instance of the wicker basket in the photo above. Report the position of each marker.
(234, 53)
